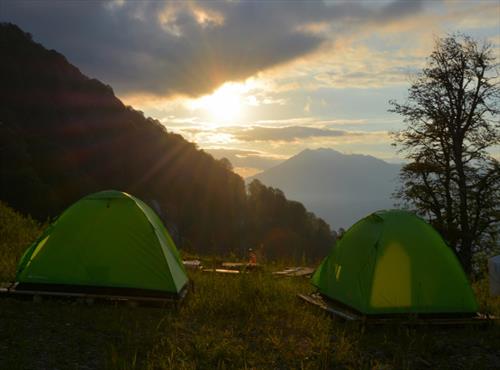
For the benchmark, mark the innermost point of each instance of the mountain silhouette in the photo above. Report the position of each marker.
(341, 188)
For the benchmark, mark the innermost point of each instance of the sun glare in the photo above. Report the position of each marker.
(225, 105)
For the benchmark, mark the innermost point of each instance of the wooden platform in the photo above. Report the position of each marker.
(8, 290)
(343, 313)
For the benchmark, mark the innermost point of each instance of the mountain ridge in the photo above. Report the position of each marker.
(334, 185)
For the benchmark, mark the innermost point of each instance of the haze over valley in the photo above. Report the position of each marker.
(340, 188)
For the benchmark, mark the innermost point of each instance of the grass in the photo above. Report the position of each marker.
(247, 321)
(16, 233)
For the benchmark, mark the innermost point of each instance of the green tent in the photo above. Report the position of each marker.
(394, 262)
(108, 242)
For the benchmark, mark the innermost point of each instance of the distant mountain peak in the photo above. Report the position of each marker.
(340, 187)
(320, 151)
(308, 157)
(333, 153)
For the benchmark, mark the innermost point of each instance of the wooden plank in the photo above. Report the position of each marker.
(5, 285)
(295, 271)
(287, 271)
(303, 272)
(222, 271)
(192, 264)
(321, 304)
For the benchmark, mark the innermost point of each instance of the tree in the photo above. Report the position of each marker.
(226, 163)
(451, 123)
(283, 227)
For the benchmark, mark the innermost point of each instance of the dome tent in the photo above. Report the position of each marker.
(393, 262)
(108, 242)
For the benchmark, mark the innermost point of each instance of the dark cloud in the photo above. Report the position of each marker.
(188, 48)
(288, 133)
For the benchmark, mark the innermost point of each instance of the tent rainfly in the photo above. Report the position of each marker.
(108, 242)
(393, 262)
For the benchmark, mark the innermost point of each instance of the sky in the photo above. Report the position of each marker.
(259, 81)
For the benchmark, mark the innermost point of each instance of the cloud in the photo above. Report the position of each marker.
(258, 136)
(287, 134)
(190, 48)
(247, 160)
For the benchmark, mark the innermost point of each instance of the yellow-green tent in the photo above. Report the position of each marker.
(108, 242)
(394, 262)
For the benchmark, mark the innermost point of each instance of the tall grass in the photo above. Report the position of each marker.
(17, 232)
(488, 304)
(249, 320)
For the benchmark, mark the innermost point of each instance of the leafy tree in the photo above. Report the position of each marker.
(226, 163)
(451, 123)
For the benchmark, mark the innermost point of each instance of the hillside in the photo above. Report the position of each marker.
(64, 135)
(341, 188)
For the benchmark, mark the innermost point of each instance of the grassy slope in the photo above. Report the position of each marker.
(252, 321)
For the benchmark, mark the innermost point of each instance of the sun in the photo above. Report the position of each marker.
(224, 105)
